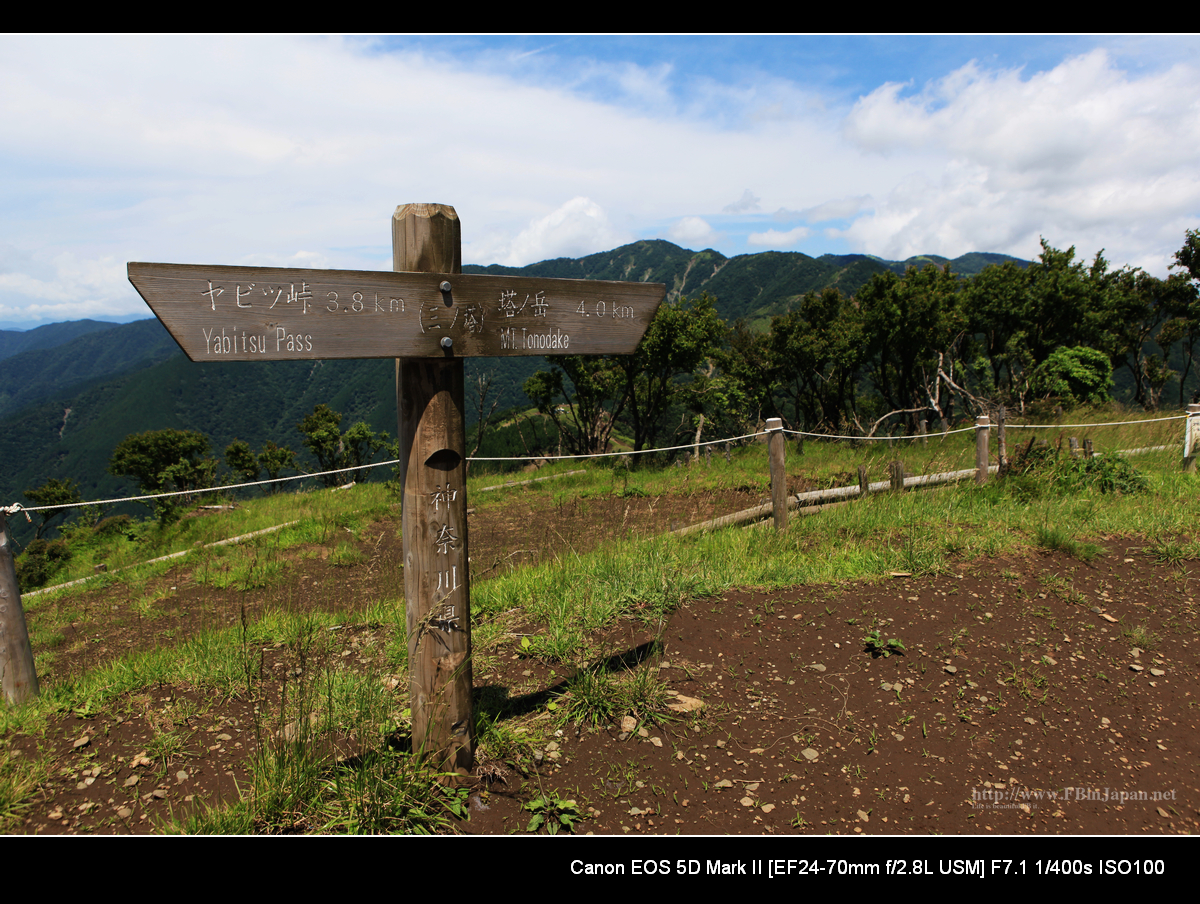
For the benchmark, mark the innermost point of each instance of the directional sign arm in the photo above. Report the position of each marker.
(221, 313)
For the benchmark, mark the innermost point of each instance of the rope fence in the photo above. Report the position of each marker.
(1152, 420)
(18, 507)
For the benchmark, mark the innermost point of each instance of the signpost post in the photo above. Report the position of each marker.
(429, 316)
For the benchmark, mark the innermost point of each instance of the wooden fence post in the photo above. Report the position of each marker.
(982, 425)
(1073, 446)
(864, 485)
(776, 454)
(18, 678)
(896, 470)
(1001, 441)
(923, 430)
(1189, 437)
(437, 587)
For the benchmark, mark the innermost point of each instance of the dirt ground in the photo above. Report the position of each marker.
(1040, 695)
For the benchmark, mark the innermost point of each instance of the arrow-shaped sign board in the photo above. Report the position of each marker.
(263, 313)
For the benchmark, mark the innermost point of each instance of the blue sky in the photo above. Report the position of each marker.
(294, 150)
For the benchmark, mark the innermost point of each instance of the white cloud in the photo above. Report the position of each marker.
(310, 260)
(575, 229)
(1084, 154)
(837, 209)
(773, 238)
(745, 204)
(68, 288)
(692, 231)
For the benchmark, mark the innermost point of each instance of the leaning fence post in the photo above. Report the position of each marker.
(17, 674)
(776, 456)
(1189, 437)
(982, 425)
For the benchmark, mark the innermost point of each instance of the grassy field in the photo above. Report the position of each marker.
(266, 634)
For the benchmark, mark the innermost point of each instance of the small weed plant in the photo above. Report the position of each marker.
(1057, 539)
(1142, 637)
(597, 696)
(874, 644)
(553, 813)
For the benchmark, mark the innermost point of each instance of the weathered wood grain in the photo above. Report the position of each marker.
(982, 429)
(18, 677)
(221, 313)
(437, 588)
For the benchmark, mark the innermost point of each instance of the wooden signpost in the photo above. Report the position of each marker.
(429, 316)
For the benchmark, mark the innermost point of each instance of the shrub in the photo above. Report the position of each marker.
(1109, 474)
(41, 560)
(1041, 464)
(117, 525)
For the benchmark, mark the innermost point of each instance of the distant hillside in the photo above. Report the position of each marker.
(32, 376)
(50, 335)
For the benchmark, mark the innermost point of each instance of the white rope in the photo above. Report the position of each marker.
(1152, 420)
(18, 507)
(710, 442)
(880, 438)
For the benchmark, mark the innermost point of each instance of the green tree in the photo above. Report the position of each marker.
(585, 396)
(1186, 309)
(1138, 312)
(584, 414)
(1077, 375)
(1063, 301)
(360, 443)
(729, 393)
(997, 303)
(1188, 257)
(323, 438)
(53, 492)
(815, 354)
(914, 329)
(274, 459)
(682, 336)
(164, 461)
(242, 461)
(1023, 316)
(336, 451)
